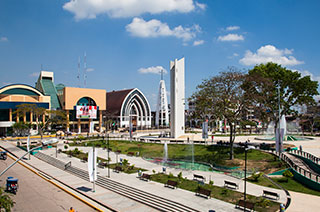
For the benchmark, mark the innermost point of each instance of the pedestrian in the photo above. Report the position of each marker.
(300, 147)
(282, 208)
(71, 209)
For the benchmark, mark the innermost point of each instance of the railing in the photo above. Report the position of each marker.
(67, 165)
(303, 172)
(279, 186)
(306, 155)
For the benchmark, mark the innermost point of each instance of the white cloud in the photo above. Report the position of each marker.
(155, 28)
(3, 39)
(34, 74)
(232, 28)
(152, 70)
(89, 9)
(90, 69)
(198, 42)
(270, 53)
(201, 6)
(233, 56)
(231, 37)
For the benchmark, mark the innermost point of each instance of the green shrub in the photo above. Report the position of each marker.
(262, 202)
(255, 176)
(70, 152)
(224, 192)
(287, 174)
(211, 182)
(80, 137)
(66, 147)
(180, 175)
(125, 162)
(76, 151)
(171, 175)
(153, 171)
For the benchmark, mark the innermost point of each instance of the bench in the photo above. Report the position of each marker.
(243, 203)
(270, 195)
(130, 154)
(118, 169)
(204, 192)
(85, 159)
(199, 177)
(102, 165)
(145, 177)
(229, 184)
(171, 184)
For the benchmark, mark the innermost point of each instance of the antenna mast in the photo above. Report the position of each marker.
(85, 70)
(79, 83)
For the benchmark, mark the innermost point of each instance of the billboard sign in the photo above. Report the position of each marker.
(86, 112)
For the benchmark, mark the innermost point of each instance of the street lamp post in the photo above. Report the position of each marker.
(246, 148)
(43, 144)
(108, 156)
(245, 177)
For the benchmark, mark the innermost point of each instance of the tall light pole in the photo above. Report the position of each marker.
(246, 148)
(43, 144)
(245, 176)
(279, 123)
(108, 155)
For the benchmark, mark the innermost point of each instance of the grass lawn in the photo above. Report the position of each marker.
(127, 168)
(291, 185)
(212, 154)
(227, 195)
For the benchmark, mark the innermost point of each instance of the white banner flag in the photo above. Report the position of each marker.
(92, 165)
(28, 143)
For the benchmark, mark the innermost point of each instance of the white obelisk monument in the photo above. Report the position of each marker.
(177, 98)
(162, 112)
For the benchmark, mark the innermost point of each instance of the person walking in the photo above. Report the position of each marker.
(71, 209)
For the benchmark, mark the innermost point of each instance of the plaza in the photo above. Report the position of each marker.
(109, 199)
(175, 105)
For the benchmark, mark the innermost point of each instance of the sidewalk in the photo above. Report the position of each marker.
(216, 177)
(114, 200)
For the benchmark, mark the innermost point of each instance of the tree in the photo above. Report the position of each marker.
(6, 202)
(263, 83)
(51, 117)
(222, 97)
(21, 128)
(311, 117)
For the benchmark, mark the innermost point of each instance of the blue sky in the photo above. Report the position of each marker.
(128, 42)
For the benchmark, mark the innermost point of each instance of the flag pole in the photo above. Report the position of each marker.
(93, 165)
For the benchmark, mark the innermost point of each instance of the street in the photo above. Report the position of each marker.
(36, 194)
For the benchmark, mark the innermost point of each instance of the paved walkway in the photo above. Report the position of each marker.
(114, 200)
(185, 197)
(297, 161)
(303, 202)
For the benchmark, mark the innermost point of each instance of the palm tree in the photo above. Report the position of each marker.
(6, 202)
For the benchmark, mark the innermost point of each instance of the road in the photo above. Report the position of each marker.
(36, 194)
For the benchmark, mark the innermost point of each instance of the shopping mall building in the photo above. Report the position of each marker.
(87, 109)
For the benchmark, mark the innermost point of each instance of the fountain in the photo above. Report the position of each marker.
(165, 149)
(290, 128)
